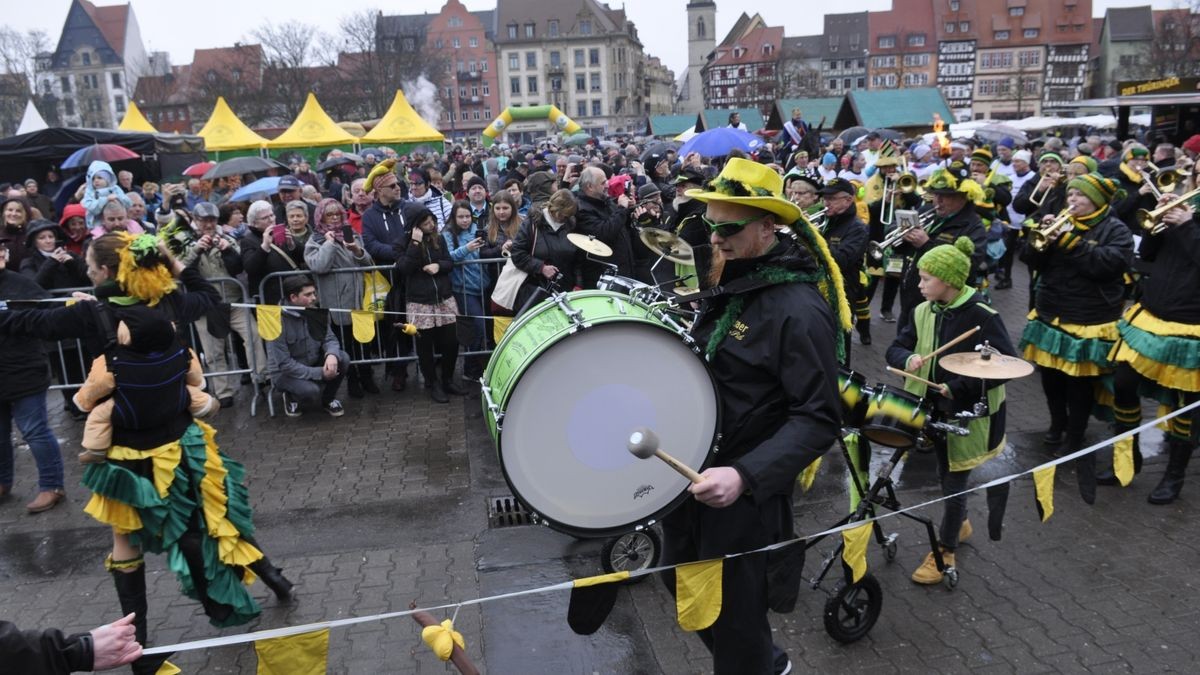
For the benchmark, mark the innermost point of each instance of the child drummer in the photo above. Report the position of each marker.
(952, 308)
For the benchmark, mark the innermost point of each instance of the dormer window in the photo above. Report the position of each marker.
(887, 41)
(512, 31)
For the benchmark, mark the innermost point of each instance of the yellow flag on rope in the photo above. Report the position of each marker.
(1043, 485)
(270, 321)
(442, 638)
(854, 553)
(168, 668)
(863, 472)
(363, 323)
(698, 594)
(1123, 460)
(303, 654)
(602, 579)
(809, 474)
(592, 600)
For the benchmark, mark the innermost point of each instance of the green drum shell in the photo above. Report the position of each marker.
(895, 417)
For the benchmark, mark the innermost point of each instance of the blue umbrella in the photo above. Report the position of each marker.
(718, 142)
(263, 186)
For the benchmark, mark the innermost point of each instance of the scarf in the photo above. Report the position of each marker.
(554, 224)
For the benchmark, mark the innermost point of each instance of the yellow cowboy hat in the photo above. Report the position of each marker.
(750, 184)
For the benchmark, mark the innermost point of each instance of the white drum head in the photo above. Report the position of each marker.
(563, 445)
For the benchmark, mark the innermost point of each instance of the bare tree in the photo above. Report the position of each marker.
(289, 48)
(1175, 48)
(18, 56)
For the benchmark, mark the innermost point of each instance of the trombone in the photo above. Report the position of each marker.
(1152, 220)
(1041, 236)
(878, 249)
(904, 183)
(1037, 198)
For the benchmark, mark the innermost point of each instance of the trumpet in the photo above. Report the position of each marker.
(1036, 197)
(878, 249)
(818, 219)
(904, 183)
(1152, 220)
(1042, 235)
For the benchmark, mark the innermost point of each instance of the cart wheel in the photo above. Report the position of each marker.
(889, 549)
(631, 552)
(852, 610)
(951, 577)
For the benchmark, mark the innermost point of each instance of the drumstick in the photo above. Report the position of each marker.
(950, 344)
(910, 376)
(643, 443)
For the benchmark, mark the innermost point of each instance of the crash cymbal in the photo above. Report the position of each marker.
(590, 244)
(667, 245)
(985, 366)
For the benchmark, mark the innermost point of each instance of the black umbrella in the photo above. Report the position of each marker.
(852, 133)
(338, 161)
(890, 134)
(656, 149)
(242, 165)
(67, 191)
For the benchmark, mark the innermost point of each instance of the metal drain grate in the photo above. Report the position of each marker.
(508, 512)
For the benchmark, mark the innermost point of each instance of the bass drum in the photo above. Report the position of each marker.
(572, 378)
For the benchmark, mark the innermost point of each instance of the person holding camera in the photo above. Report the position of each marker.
(607, 220)
(429, 301)
(466, 239)
(274, 247)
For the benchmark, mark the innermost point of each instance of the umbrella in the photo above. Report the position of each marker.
(853, 133)
(263, 186)
(580, 138)
(718, 142)
(67, 192)
(198, 169)
(241, 165)
(102, 152)
(347, 158)
(890, 134)
(994, 133)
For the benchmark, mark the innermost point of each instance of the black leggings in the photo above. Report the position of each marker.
(1070, 400)
(445, 339)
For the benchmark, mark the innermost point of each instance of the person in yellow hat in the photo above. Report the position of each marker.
(772, 329)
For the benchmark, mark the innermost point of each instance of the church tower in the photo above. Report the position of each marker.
(702, 29)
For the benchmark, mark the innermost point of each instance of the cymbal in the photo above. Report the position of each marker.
(590, 244)
(667, 245)
(985, 367)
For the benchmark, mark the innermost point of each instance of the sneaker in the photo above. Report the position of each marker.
(887, 317)
(290, 408)
(928, 573)
(787, 668)
(334, 408)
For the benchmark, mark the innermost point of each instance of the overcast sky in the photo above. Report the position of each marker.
(178, 28)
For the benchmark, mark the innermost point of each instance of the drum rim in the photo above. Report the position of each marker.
(592, 533)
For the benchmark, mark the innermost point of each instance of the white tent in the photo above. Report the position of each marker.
(31, 121)
(1142, 120)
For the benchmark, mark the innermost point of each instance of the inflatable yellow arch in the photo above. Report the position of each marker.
(551, 112)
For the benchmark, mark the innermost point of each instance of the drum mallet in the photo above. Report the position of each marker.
(928, 383)
(643, 443)
(950, 344)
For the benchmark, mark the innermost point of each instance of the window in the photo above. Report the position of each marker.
(462, 65)
(580, 82)
(846, 83)
(862, 83)
(916, 59)
(483, 65)
(884, 62)
(514, 61)
(438, 44)
(581, 108)
(170, 115)
(462, 92)
(953, 5)
(552, 28)
(119, 101)
(585, 27)
(65, 81)
(1029, 33)
(116, 80)
(1030, 58)
(556, 84)
(533, 85)
(529, 30)
(514, 85)
(861, 64)
(593, 57)
(487, 89)
(1129, 60)
(1016, 11)
(512, 31)
(487, 113)
(1001, 35)
(87, 59)
(449, 91)
(475, 91)
(964, 26)
(555, 59)
(530, 60)
(578, 58)
(595, 82)
(471, 67)
(454, 22)
(457, 43)
(69, 106)
(916, 40)
(475, 114)
(833, 84)
(596, 111)
(949, 27)
(701, 31)
(473, 42)
(466, 115)
(887, 42)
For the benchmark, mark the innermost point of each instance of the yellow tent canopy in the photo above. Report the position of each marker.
(224, 131)
(313, 128)
(402, 124)
(136, 121)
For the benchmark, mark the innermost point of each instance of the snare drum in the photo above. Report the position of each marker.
(895, 417)
(572, 378)
(855, 396)
(619, 284)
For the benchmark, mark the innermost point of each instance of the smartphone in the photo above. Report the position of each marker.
(279, 235)
(347, 233)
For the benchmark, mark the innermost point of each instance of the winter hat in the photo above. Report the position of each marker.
(1136, 151)
(476, 180)
(1087, 162)
(71, 211)
(1102, 191)
(1084, 148)
(920, 151)
(949, 263)
(982, 154)
(1053, 156)
(1007, 143)
(648, 191)
(828, 159)
(1023, 155)
(1192, 144)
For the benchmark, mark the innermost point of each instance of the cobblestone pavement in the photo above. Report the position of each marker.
(388, 506)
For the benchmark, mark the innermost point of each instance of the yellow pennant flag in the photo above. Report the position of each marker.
(363, 323)
(854, 553)
(442, 638)
(303, 654)
(168, 668)
(863, 472)
(602, 579)
(270, 321)
(1123, 460)
(809, 474)
(1043, 485)
(698, 594)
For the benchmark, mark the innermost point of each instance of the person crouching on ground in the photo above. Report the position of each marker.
(307, 371)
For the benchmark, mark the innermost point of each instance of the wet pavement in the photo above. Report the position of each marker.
(389, 505)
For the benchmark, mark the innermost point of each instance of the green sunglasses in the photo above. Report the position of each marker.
(728, 228)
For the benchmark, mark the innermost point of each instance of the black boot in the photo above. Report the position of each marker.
(451, 387)
(436, 393)
(218, 612)
(273, 577)
(1107, 477)
(367, 380)
(131, 593)
(1168, 488)
(353, 387)
(864, 334)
